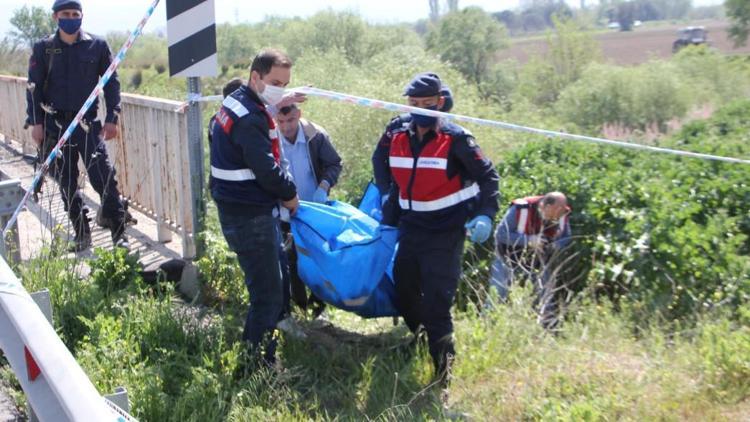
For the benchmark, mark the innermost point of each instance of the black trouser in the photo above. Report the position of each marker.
(90, 147)
(426, 273)
(256, 240)
(297, 287)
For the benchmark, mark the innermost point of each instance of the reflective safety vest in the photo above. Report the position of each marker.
(423, 181)
(529, 220)
(231, 179)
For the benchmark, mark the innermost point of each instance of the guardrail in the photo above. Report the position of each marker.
(150, 156)
(56, 387)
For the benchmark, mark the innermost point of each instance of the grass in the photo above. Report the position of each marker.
(180, 362)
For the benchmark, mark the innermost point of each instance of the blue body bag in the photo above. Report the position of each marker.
(345, 256)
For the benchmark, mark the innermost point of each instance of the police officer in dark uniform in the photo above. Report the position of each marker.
(441, 180)
(380, 167)
(63, 70)
(248, 183)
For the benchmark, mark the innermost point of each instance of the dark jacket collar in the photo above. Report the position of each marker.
(82, 36)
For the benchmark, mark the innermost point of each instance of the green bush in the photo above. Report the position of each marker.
(713, 77)
(13, 60)
(72, 298)
(322, 33)
(500, 83)
(113, 270)
(653, 93)
(237, 44)
(638, 97)
(569, 52)
(222, 279)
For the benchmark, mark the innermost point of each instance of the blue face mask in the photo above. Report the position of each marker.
(425, 121)
(69, 26)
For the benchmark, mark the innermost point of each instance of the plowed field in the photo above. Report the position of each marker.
(635, 47)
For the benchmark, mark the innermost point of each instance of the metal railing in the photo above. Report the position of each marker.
(150, 156)
(13, 112)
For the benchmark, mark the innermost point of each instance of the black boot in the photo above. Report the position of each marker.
(119, 240)
(116, 225)
(443, 366)
(111, 223)
(82, 239)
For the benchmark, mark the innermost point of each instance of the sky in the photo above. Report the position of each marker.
(102, 16)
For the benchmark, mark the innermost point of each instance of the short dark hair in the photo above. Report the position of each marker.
(267, 59)
(288, 109)
(231, 86)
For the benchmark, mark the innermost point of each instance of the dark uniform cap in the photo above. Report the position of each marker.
(424, 85)
(66, 4)
(446, 93)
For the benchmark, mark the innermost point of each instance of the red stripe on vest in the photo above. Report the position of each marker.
(534, 221)
(225, 120)
(431, 180)
(275, 143)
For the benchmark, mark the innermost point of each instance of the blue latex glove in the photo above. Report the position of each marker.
(479, 228)
(376, 214)
(320, 196)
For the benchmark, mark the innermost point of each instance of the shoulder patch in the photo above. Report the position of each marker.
(398, 122)
(224, 119)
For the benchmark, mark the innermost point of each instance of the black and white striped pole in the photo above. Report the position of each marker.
(191, 35)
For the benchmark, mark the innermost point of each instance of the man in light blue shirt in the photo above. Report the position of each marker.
(313, 162)
(315, 167)
(300, 166)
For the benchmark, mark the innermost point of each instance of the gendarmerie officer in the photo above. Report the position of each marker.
(63, 71)
(441, 180)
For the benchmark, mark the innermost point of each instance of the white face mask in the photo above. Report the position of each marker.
(272, 95)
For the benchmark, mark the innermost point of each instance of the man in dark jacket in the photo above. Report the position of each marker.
(63, 70)
(441, 180)
(248, 183)
(315, 167)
